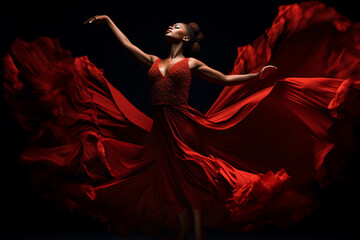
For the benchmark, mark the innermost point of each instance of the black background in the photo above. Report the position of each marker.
(225, 24)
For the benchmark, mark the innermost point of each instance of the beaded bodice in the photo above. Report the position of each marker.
(171, 88)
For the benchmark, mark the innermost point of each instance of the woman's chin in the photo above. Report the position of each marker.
(169, 38)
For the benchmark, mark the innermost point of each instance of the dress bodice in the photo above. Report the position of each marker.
(171, 88)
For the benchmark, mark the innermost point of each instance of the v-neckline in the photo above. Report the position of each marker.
(168, 70)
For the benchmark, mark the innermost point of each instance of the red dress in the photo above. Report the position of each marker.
(247, 162)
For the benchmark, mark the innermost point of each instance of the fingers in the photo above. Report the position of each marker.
(271, 67)
(267, 70)
(91, 20)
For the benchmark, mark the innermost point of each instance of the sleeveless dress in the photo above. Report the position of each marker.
(250, 160)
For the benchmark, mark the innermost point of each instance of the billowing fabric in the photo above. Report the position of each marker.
(249, 161)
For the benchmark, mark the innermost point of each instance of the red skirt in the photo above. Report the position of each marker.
(248, 161)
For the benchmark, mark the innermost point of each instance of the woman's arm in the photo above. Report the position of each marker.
(202, 70)
(144, 59)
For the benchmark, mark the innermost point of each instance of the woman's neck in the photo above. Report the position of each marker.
(176, 51)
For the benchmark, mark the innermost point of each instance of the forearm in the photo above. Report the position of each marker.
(144, 59)
(202, 70)
(124, 41)
(238, 78)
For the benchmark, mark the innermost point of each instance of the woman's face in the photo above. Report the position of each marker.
(177, 32)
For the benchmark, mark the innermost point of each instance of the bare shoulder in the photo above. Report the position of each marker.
(195, 63)
(153, 58)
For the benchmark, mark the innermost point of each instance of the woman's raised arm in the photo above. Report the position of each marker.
(144, 59)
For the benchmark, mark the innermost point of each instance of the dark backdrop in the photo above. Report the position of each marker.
(225, 24)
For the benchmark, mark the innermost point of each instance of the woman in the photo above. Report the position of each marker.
(93, 150)
(181, 37)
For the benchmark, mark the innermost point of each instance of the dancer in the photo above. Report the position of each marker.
(247, 162)
(181, 37)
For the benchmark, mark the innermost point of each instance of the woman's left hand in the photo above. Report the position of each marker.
(97, 19)
(267, 70)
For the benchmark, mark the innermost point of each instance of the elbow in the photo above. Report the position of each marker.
(223, 80)
(127, 45)
(227, 80)
(126, 42)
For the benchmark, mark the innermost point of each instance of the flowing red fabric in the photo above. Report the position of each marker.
(247, 162)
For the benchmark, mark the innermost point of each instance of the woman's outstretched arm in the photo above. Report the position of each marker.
(144, 59)
(202, 70)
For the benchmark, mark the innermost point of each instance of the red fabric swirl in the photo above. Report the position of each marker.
(247, 162)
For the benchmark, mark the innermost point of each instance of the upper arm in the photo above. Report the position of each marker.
(200, 69)
(144, 59)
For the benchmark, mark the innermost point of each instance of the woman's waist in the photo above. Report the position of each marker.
(167, 100)
(169, 104)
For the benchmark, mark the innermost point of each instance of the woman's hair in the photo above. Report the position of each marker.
(196, 37)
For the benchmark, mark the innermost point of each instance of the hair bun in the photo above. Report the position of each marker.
(198, 35)
(195, 48)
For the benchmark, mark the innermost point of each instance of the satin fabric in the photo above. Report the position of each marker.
(248, 161)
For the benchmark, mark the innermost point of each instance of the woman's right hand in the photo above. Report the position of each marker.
(97, 19)
(266, 71)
